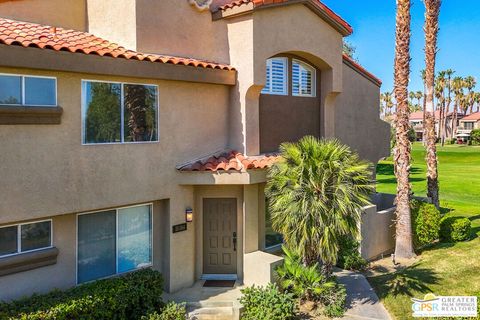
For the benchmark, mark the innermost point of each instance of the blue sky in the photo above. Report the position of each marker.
(373, 22)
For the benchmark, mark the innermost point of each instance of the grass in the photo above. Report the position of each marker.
(444, 269)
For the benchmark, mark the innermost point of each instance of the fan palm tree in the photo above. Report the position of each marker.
(470, 83)
(403, 239)
(477, 100)
(458, 84)
(419, 97)
(388, 102)
(315, 195)
(440, 85)
(448, 100)
(411, 97)
(431, 34)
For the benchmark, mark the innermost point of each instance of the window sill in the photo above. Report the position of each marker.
(28, 261)
(30, 115)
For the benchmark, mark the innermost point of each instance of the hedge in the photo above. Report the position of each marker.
(453, 229)
(125, 297)
(425, 223)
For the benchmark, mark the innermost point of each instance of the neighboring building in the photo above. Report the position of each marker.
(467, 124)
(106, 152)
(416, 122)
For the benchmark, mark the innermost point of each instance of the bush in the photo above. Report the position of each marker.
(305, 282)
(453, 229)
(172, 311)
(268, 303)
(475, 137)
(127, 297)
(349, 256)
(451, 141)
(309, 284)
(425, 223)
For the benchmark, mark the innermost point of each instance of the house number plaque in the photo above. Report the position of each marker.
(179, 227)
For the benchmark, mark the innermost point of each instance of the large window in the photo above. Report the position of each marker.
(468, 125)
(119, 112)
(303, 79)
(28, 90)
(114, 241)
(277, 76)
(25, 237)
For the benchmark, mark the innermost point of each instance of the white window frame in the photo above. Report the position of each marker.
(266, 90)
(122, 110)
(116, 241)
(19, 237)
(23, 104)
(310, 68)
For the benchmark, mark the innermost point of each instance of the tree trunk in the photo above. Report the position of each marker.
(454, 119)
(431, 33)
(403, 241)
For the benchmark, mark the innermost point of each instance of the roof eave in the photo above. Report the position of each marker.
(361, 70)
(45, 59)
(321, 10)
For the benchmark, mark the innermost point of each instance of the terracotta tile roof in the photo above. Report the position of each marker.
(472, 117)
(28, 34)
(362, 70)
(418, 115)
(230, 161)
(257, 3)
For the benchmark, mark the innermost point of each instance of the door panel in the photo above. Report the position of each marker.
(219, 227)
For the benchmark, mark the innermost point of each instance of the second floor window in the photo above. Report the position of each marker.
(468, 125)
(303, 79)
(276, 77)
(119, 112)
(28, 90)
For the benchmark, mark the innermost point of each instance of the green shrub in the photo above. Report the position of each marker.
(349, 256)
(127, 297)
(309, 284)
(425, 223)
(454, 229)
(451, 141)
(475, 137)
(268, 303)
(334, 302)
(305, 282)
(172, 311)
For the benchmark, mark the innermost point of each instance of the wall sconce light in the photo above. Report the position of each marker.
(189, 214)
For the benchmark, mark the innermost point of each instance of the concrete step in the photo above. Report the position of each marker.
(212, 310)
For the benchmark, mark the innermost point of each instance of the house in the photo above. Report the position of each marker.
(137, 133)
(416, 122)
(467, 124)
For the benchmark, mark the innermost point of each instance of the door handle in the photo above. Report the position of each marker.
(234, 241)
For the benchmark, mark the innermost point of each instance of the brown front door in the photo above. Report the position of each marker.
(219, 236)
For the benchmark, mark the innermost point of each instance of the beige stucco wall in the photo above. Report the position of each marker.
(69, 14)
(260, 35)
(175, 27)
(114, 20)
(47, 171)
(357, 117)
(377, 232)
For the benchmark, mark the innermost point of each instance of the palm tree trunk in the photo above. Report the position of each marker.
(431, 33)
(403, 239)
(454, 119)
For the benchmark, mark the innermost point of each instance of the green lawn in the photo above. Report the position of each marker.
(445, 269)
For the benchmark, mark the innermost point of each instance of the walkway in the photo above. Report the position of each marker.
(362, 301)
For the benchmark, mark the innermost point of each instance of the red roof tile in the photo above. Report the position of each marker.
(418, 115)
(231, 161)
(28, 34)
(472, 117)
(258, 3)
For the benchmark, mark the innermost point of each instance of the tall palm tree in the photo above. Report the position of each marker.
(448, 100)
(411, 97)
(315, 194)
(470, 83)
(440, 83)
(403, 239)
(457, 84)
(431, 34)
(477, 100)
(419, 97)
(388, 100)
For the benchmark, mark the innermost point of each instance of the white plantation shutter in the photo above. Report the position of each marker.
(303, 79)
(276, 77)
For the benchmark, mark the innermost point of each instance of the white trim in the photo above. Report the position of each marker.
(269, 91)
(19, 237)
(122, 115)
(150, 204)
(313, 84)
(230, 276)
(22, 90)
